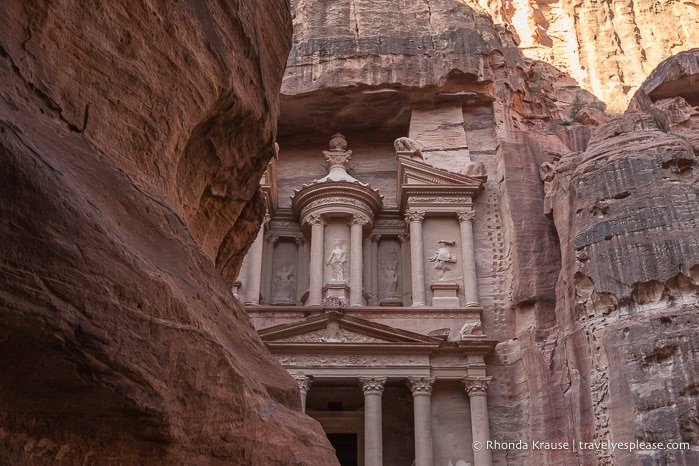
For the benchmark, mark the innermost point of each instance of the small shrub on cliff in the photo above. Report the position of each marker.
(576, 106)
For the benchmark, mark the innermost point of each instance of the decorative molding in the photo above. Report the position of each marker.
(415, 216)
(338, 155)
(372, 385)
(389, 224)
(477, 386)
(331, 334)
(449, 361)
(421, 386)
(451, 200)
(351, 360)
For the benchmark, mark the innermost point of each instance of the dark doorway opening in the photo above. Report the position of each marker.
(345, 448)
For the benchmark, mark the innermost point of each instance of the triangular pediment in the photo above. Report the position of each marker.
(336, 328)
(415, 178)
(414, 172)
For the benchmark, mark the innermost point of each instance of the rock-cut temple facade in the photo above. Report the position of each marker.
(365, 283)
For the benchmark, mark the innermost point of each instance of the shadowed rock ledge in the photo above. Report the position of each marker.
(132, 139)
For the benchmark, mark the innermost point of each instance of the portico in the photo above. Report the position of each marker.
(334, 349)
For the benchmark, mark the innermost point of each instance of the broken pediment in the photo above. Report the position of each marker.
(416, 178)
(335, 327)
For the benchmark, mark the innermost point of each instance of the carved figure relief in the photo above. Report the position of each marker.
(390, 278)
(337, 260)
(443, 258)
(284, 286)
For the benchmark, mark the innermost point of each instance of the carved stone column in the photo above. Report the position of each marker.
(254, 269)
(315, 290)
(373, 439)
(305, 383)
(421, 388)
(375, 238)
(468, 258)
(477, 389)
(417, 262)
(267, 270)
(405, 274)
(300, 267)
(356, 263)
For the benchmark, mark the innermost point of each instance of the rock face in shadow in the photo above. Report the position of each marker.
(132, 139)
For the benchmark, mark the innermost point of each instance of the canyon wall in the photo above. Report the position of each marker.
(608, 47)
(132, 140)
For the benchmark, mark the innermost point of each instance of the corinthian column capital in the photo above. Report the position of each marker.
(372, 385)
(421, 386)
(304, 382)
(477, 386)
(466, 215)
(415, 216)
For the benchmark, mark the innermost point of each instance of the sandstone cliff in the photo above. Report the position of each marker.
(132, 139)
(608, 47)
(590, 288)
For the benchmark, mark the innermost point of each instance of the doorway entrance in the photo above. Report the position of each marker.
(345, 448)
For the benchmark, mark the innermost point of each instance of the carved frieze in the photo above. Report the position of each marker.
(449, 361)
(450, 200)
(331, 334)
(352, 360)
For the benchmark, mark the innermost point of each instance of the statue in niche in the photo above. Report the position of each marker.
(390, 277)
(337, 260)
(443, 258)
(284, 282)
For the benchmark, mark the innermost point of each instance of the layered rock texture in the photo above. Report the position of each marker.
(132, 139)
(609, 47)
(586, 230)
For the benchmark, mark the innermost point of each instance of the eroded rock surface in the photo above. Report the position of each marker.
(626, 323)
(587, 279)
(132, 139)
(608, 47)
